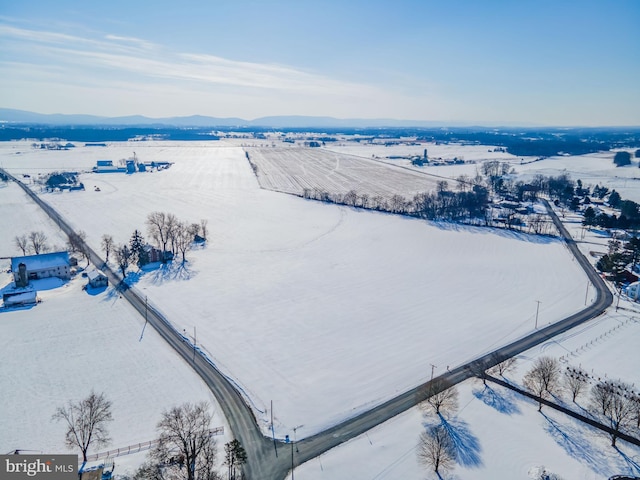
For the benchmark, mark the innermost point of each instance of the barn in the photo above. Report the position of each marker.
(35, 267)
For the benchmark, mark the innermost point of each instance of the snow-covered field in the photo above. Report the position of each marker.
(292, 170)
(76, 341)
(592, 169)
(324, 310)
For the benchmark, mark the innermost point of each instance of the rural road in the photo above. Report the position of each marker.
(262, 462)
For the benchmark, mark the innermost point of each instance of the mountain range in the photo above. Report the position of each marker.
(12, 116)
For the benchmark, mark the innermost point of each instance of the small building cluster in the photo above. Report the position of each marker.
(28, 268)
(128, 165)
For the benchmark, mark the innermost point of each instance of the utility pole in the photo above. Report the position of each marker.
(537, 310)
(273, 431)
(432, 368)
(292, 465)
(195, 341)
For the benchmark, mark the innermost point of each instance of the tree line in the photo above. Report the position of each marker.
(613, 403)
(170, 236)
(470, 201)
(185, 449)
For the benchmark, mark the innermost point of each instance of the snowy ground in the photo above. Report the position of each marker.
(323, 309)
(503, 436)
(333, 309)
(75, 341)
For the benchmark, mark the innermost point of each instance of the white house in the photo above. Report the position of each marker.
(97, 279)
(35, 267)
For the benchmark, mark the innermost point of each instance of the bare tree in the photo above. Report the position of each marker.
(22, 242)
(183, 238)
(194, 229)
(203, 228)
(503, 367)
(157, 228)
(38, 242)
(186, 441)
(398, 204)
(107, 245)
(123, 258)
(86, 422)
(635, 409)
(171, 226)
(436, 449)
(440, 396)
(76, 243)
(611, 400)
(543, 379)
(575, 381)
(350, 198)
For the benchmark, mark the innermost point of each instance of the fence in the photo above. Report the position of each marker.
(138, 447)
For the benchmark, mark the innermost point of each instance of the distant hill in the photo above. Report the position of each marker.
(8, 115)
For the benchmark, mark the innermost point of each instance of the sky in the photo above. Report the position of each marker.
(460, 61)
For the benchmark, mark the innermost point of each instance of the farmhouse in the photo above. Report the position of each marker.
(35, 267)
(97, 279)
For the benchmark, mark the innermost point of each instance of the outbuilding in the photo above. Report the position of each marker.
(19, 296)
(97, 279)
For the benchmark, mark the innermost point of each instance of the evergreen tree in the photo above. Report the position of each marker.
(589, 217)
(614, 199)
(136, 246)
(622, 158)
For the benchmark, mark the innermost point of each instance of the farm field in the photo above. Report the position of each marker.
(292, 170)
(502, 435)
(592, 169)
(323, 309)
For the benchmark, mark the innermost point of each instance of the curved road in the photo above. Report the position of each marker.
(262, 461)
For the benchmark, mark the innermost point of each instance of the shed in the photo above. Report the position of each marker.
(19, 296)
(97, 279)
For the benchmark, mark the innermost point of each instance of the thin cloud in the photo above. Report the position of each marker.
(126, 55)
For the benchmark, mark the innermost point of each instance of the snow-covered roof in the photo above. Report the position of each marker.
(42, 261)
(93, 274)
(17, 298)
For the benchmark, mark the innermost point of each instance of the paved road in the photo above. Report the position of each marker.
(262, 460)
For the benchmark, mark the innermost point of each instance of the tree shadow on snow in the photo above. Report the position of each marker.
(502, 232)
(133, 277)
(575, 440)
(502, 401)
(172, 271)
(466, 445)
(632, 464)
